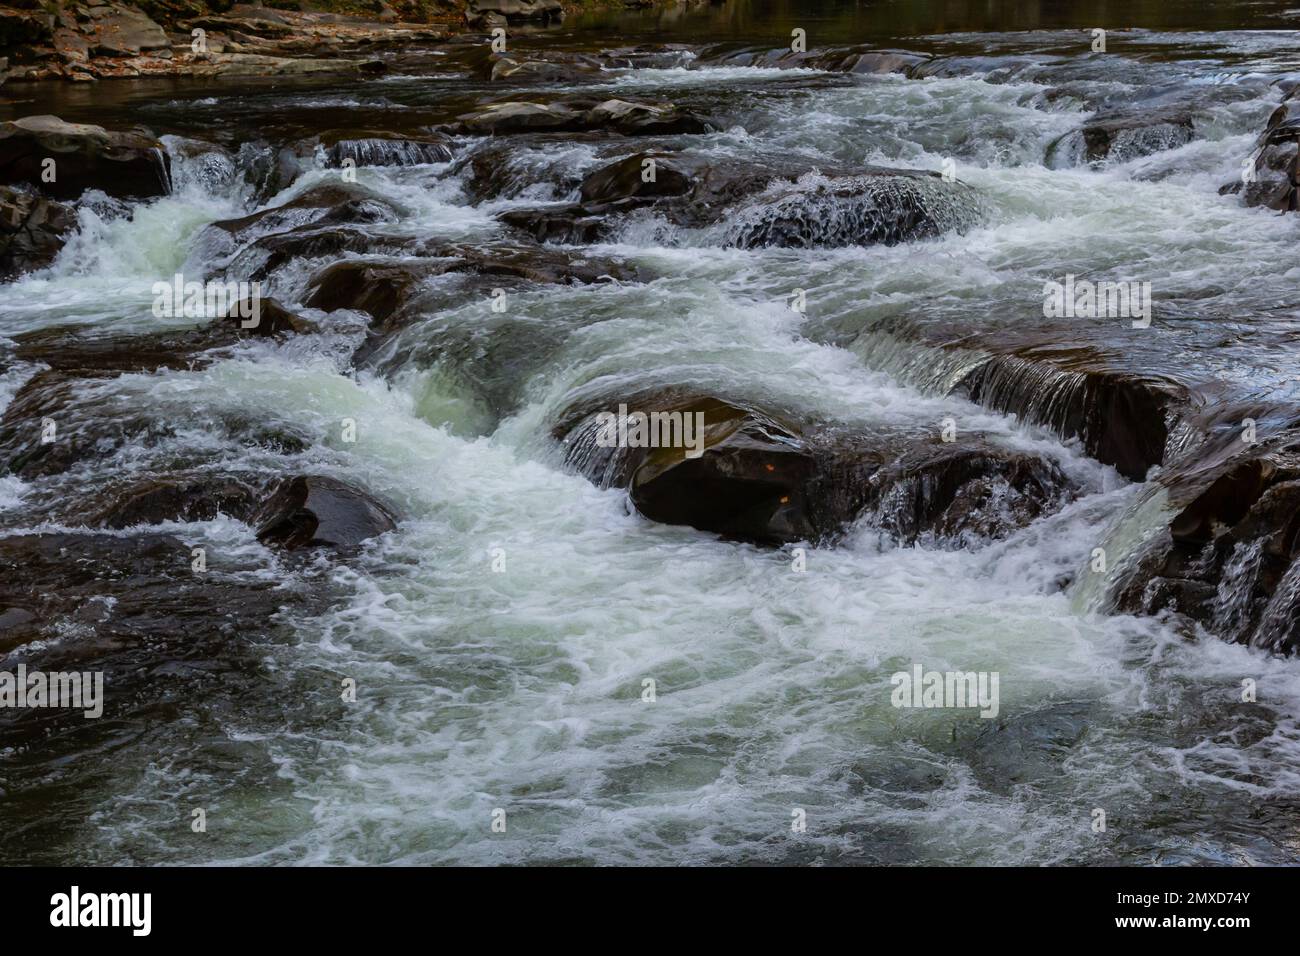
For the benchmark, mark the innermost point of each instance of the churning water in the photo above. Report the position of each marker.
(523, 689)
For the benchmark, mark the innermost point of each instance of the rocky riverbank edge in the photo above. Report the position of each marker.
(95, 40)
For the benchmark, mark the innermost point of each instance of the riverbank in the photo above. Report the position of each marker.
(99, 39)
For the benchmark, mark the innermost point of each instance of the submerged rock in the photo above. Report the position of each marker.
(1119, 138)
(314, 511)
(199, 497)
(752, 205)
(127, 165)
(308, 224)
(963, 491)
(176, 648)
(59, 418)
(883, 207)
(617, 116)
(82, 347)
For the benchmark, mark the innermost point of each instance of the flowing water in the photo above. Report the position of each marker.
(523, 689)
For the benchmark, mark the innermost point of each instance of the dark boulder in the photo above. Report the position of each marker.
(758, 476)
(1119, 138)
(1122, 419)
(639, 176)
(1275, 183)
(758, 204)
(378, 288)
(33, 230)
(1227, 556)
(199, 497)
(314, 511)
(489, 13)
(127, 165)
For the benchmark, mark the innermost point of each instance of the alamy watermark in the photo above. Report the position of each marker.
(946, 689)
(1080, 298)
(74, 690)
(652, 430)
(179, 299)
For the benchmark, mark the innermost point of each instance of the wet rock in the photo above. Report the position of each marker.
(757, 476)
(174, 498)
(494, 358)
(128, 165)
(1228, 556)
(639, 176)
(489, 13)
(1275, 183)
(1028, 747)
(1120, 138)
(569, 69)
(758, 204)
(1122, 419)
(382, 287)
(59, 418)
(172, 644)
(85, 348)
(965, 491)
(33, 230)
(378, 288)
(378, 149)
(263, 257)
(572, 225)
(269, 170)
(880, 207)
(314, 511)
(323, 206)
(748, 482)
(497, 170)
(854, 59)
(199, 163)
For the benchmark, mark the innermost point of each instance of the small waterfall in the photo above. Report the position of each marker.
(375, 151)
(604, 467)
(1145, 140)
(164, 168)
(1234, 599)
(850, 211)
(1281, 615)
(1121, 547)
(199, 167)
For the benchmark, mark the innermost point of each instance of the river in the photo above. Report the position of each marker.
(523, 689)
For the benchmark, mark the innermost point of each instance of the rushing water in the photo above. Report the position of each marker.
(522, 690)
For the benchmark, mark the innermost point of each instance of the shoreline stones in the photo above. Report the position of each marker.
(33, 231)
(126, 165)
